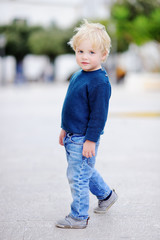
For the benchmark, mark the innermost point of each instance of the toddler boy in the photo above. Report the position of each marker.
(84, 115)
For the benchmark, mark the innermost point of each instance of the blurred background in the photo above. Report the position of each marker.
(34, 36)
(35, 66)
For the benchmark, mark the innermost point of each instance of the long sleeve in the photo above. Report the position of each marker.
(99, 104)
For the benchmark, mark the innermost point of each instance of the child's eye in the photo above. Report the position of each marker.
(80, 51)
(91, 52)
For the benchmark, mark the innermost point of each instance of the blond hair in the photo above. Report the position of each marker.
(95, 32)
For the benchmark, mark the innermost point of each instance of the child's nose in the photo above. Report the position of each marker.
(84, 56)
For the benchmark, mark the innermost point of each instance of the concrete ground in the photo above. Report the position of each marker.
(34, 192)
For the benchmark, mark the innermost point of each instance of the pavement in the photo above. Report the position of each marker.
(34, 192)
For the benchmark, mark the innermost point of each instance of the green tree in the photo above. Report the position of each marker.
(17, 35)
(51, 42)
(135, 22)
(23, 39)
(155, 24)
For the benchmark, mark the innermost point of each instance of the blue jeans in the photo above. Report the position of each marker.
(82, 176)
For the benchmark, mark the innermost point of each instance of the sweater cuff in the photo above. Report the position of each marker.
(93, 137)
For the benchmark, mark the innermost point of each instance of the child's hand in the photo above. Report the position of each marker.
(62, 136)
(89, 149)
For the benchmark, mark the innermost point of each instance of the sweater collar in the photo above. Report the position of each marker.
(93, 72)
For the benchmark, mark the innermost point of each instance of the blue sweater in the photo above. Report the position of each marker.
(85, 107)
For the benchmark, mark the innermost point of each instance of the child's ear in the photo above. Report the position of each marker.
(104, 56)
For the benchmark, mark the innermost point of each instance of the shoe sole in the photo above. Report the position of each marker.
(69, 227)
(104, 211)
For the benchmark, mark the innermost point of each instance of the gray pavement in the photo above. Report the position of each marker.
(34, 192)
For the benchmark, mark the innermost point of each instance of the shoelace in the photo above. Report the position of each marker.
(99, 202)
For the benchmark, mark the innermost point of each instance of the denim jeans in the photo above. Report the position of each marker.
(82, 176)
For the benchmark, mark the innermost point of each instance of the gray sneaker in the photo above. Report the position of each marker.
(70, 222)
(104, 205)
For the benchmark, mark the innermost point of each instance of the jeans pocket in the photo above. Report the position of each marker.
(78, 140)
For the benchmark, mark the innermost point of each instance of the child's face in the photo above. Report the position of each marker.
(89, 59)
